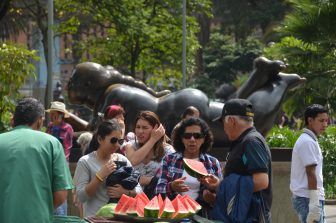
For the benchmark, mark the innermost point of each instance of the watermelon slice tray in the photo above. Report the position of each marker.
(129, 218)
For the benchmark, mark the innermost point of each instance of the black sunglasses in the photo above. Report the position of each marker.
(196, 135)
(115, 139)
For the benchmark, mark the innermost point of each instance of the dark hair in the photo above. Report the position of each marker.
(154, 120)
(208, 136)
(27, 111)
(191, 110)
(313, 110)
(105, 128)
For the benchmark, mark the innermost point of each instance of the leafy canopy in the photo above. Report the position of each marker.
(15, 66)
(138, 37)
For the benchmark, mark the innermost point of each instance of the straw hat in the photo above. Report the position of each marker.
(60, 107)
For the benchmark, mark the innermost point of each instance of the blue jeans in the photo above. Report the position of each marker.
(62, 209)
(301, 206)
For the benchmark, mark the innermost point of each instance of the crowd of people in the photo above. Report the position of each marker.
(36, 177)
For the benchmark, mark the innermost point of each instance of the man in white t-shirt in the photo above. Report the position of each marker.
(306, 180)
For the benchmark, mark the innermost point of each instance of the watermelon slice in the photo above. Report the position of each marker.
(160, 201)
(194, 168)
(152, 208)
(181, 211)
(136, 208)
(196, 206)
(167, 210)
(143, 197)
(123, 199)
(189, 208)
(125, 207)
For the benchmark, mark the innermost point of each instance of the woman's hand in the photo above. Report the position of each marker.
(116, 191)
(107, 169)
(209, 197)
(179, 186)
(158, 132)
(210, 181)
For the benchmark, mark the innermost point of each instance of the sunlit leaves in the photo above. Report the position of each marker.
(15, 66)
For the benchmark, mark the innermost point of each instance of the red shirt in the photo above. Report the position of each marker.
(64, 133)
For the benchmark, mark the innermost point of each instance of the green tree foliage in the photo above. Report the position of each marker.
(240, 18)
(226, 60)
(308, 47)
(140, 36)
(15, 66)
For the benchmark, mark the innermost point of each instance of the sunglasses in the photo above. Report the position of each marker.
(196, 135)
(115, 139)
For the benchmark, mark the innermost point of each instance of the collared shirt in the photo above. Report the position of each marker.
(306, 152)
(64, 133)
(172, 169)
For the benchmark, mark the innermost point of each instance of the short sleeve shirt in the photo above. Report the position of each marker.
(250, 154)
(306, 152)
(32, 167)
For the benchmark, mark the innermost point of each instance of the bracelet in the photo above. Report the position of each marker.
(99, 177)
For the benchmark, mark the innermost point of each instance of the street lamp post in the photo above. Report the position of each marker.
(184, 45)
(50, 52)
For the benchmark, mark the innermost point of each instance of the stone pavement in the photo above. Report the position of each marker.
(330, 213)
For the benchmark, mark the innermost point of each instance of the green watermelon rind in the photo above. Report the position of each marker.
(151, 213)
(107, 211)
(192, 172)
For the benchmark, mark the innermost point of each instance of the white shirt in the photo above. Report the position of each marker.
(193, 184)
(306, 152)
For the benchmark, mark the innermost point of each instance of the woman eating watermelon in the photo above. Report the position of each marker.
(180, 170)
(93, 169)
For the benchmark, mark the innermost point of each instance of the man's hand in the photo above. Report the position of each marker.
(209, 197)
(314, 213)
(210, 181)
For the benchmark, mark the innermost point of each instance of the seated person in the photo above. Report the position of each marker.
(147, 151)
(192, 140)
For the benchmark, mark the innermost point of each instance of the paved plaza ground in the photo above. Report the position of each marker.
(331, 213)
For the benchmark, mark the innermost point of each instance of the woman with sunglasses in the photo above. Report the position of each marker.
(147, 151)
(191, 140)
(92, 169)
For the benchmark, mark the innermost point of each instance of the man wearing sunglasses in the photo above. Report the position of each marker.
(249, 160)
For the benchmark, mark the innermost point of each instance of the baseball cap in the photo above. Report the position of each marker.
(237, 106)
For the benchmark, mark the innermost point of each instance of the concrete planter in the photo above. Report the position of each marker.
(281, 154)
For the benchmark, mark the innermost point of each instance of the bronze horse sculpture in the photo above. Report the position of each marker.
(97, 87)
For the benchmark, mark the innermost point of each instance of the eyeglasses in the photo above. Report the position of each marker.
(115, 139)
(196, 135)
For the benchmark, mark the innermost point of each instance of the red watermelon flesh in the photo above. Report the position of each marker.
(196, 206)
(194, 168)
(160, 201)
(167, 210)
(190, 209)
(129, 203)
(123, 199)
(143, 197)
(152, 208)
(181, 211)
(136, 208)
